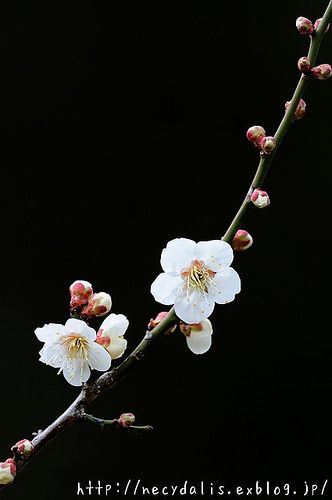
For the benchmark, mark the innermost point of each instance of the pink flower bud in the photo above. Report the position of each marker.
(99, 305)
(23, 447)
(80, 292)
(260, 198)
(255, 134)
(304, 26)
(126, 419)
(317, 23)
(242, 240)
(7, 471)
(300, 110)
(322, 72)
(155, 321)
(304, 64)
(267, 144)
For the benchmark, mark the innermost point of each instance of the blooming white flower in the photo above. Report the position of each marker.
(195, 277)
(198, 336)
(72, 348)
(110, 334)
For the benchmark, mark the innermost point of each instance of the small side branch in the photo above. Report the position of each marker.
(115, 423)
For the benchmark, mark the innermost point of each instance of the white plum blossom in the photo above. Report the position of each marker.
(72, 349)
(110, 334)
(195, 277)
(198, 336)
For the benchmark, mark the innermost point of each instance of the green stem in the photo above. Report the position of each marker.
(266, 160)
(113, 424)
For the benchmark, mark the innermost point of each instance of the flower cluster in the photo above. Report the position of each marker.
(75, 348)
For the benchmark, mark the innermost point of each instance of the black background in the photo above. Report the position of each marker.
(123, 126)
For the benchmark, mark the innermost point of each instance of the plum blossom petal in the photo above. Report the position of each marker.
(115, 325)
(50, 355)
(199, 341)
(227, 285)
(99, 358)
(80, 327)
(117, 347)
(49, 333)
(165, 288)
(76, 374)
(191, 309)
(176, 254)
(215, 254)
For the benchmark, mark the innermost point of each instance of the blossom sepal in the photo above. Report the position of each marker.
(260, 198)
(7, 471)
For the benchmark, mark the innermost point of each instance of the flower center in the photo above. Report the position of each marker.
(198, 275)
(77, 346)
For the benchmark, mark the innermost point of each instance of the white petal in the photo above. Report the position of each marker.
(216, 254)
(49, 333)
(199, 342)
(117, 347)
(79, 327)
(194, 307)
(177, 255)
(51, 354)
(115, 325)
(165, 287)
(99, 359)
(76, 371)
(227, 285)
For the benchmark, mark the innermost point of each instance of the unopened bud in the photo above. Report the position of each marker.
(317, 23)
(80, 292)
(7, 471)
(304, 26)
(267, 144)
(126, 419)
(300, 110)
(99, 305)
(23, 447)
(304, 64)
(322, 72)
(242, 240)
(155, 321)
(260, 198)
(255, 134)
